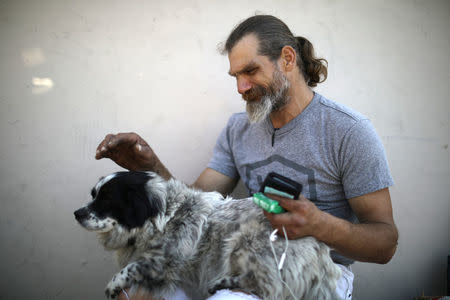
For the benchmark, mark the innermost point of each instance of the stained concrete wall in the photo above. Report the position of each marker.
(73, 71)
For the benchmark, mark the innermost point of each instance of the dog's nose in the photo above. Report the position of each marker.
(81, 213)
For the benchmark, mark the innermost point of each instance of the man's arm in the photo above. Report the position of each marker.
(211, 180)
(374, 239)
(132, 152)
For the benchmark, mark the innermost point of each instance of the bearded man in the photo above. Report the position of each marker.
(333, 151)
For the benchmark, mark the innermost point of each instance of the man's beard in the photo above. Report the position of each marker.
(272, 98)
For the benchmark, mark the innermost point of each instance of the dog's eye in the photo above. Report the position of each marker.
(93, 192)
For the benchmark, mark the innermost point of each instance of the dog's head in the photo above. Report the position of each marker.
(123, 199)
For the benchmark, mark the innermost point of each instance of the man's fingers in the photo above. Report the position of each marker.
(109, 146)
(102, 147)
(287, 204)
(118, 139)
(294, 211)
(278, 219)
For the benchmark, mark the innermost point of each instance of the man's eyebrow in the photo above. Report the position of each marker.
(250, 66)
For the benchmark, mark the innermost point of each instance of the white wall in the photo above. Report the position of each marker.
(152, 67)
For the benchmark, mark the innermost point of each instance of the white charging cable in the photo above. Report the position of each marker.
(125, 293)
(273, 238)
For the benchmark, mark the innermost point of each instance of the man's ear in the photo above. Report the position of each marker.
(288, 59)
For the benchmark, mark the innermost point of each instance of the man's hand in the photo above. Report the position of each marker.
(302, 218)
(131, 152)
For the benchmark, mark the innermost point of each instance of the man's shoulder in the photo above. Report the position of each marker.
(339, 111)
(341, 121)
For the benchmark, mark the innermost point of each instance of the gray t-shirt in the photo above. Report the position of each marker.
(333, 151)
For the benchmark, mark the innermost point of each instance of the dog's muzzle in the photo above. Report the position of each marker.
(81, 214)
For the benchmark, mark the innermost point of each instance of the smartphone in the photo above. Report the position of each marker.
(278, 185)
(275, 182)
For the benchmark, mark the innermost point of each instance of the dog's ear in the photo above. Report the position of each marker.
(143, 205)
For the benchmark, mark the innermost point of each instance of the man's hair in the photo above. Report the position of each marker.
(273, 35)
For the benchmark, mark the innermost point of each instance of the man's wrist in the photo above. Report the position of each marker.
(157, 166)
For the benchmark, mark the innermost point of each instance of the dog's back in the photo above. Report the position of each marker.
(236, 253)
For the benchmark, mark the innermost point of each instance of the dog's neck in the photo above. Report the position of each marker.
(124, 255)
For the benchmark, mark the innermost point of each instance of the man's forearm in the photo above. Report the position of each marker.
(211, 180)
(368, 242)
(158, 167)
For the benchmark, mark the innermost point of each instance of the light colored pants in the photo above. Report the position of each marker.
(219, 295)
(344, 286)
(344, 289)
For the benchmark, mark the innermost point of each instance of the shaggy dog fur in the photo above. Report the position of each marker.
(168, 236)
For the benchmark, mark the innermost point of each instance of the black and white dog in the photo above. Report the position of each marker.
(168, 236)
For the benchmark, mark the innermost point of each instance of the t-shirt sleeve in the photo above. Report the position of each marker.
(222, 160)
(365, 167)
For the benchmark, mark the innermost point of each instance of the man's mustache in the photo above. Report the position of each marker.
(254, 93)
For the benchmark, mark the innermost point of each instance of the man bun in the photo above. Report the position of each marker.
(314, 69)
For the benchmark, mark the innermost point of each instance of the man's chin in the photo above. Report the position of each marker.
(258, 111)
(253, 100)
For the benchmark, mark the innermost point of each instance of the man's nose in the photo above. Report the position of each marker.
(243, 85)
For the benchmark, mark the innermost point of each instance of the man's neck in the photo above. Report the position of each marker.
(300, 95)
